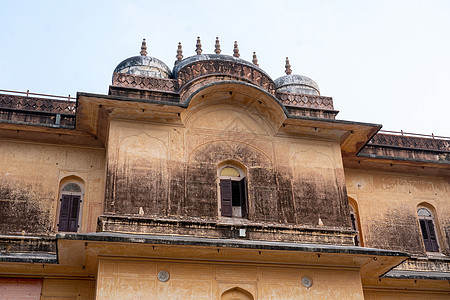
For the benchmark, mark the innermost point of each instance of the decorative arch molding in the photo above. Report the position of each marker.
(232, 162)
(317, 179)
(223, 150)
(251, 96)
(71, 178)
(310, 158)
(229, 117)
(428, 206)
(142, 145)
(204, 80)
(236, 293)
(142, 175)
(352, 202)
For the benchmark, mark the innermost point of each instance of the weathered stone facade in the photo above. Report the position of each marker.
(325, 200)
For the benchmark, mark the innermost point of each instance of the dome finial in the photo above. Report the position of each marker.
(179, 52)
(288, 67)
(236, 49)
(217, 46)
(255, 59)
(144, 48)
(198, 46)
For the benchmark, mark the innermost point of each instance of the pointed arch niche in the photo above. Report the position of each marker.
(69, 210)
(355, 221)
(236, 293)
(233, 106)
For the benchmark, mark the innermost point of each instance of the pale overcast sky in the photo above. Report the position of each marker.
(384, 62)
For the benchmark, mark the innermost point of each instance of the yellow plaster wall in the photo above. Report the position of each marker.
(387, 204)
(32, 173)
(130, 140)
(405, 295)
(65, 289)
(137, 150)
(137, 279)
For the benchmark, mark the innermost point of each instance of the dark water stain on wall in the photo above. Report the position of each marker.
(398, 230)
(191, 189)
(130, 188)
(24, 208)
(201, 190)
(177, 198)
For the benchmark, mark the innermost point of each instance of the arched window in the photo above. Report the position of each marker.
(427, 227)
(69, 212)
(354, 218)
(233, 192)
(355, 225)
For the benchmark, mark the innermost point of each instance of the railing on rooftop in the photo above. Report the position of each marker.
(403, 133)
(27, 93)
(408, 140)
(37, 109)
(71, 110)
(35, 102)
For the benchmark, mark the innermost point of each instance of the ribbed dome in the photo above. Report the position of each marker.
(298, 84)
(144, 65)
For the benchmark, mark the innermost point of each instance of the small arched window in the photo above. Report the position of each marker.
(354, 218)
(233, 192)
(427, 227)
(69, 207)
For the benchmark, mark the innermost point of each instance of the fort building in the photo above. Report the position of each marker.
(211, 180)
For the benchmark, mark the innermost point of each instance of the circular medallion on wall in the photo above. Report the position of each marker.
(307, 282)
(163, 276)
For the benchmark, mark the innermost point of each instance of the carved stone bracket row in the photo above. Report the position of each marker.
(436, 265)
(303, 100)
(201, 68)
(311, 112)
(141, 82)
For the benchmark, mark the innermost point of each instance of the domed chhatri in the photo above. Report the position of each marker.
(200, 65)
(298, 84)
(144, 65)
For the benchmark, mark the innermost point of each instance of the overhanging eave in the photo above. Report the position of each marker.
(353, 136)
(371, 261)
